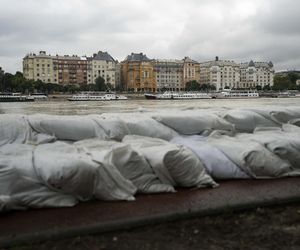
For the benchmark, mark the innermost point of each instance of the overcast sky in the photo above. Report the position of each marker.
(239, 30)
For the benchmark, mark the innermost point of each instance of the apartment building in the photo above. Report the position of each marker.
(39, 67)
(191, 70)
(169, 75)
(56, 69)
(256, 73)
(70, 70)
(229, 74)
(104, 65)
(138, 73)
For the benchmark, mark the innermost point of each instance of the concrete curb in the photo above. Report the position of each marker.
(189, 210)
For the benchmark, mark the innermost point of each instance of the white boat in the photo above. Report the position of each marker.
(179, 96)
(237, 94)
(97, 97)
(15, 97)
(39, 97)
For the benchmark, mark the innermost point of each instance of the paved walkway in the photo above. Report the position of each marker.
(98, 216)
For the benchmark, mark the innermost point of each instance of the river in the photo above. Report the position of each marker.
(64, 107)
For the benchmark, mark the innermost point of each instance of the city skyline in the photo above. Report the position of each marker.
(233, 30)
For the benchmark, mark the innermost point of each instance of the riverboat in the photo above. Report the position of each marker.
(39, 97)
(97, 97)
(15, 97)
(179, 95)
(237, 94)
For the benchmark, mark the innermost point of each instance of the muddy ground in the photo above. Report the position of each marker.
(261, 228)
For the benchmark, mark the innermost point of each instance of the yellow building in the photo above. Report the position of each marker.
(137, 73)
(39, 67)
(191, 70)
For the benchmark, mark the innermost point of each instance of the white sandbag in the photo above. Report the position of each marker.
(291, 127)
(295, 122)
(174, 165)
(285, 145)
(72, 128)
(189, 124)
(63, 168)
(252, 157)
(20, 187)
(75, 172)
(131, 165)
(285, 115)
(216, 163)
(114, 128)
(247, 120)
(15, 129)
(150, 128)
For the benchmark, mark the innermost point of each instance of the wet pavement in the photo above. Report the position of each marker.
(98, 216)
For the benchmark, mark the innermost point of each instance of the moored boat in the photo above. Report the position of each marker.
(15, 97)
(237, 94)
(39, 96)
(97, 97)
(179, 95)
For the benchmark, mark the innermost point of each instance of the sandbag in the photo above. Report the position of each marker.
(216, 163)
(150, 128)
(72, 128)
(247, 120)
(279, 115)
(194, 124)
(20, 187)
(286, 114)
(131, 165)
(114, 128)
(285, 145)
(174, 165)
(75, 172)
(15, 129)
(252, 157)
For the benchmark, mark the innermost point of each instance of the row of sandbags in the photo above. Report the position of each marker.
(36, 129)
(59, 160)
(61, 173)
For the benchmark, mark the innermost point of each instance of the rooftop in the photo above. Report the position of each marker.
(137, 57)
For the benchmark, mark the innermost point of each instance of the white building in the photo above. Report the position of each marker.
(229, 74)
(104, 65)
(257, 74)
(221, 74)
(169, 75)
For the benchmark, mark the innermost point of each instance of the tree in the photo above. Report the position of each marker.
(258, 87)
(192, 86)
(267, 87)
(7, 82)
(100, 84)
(281, 83)
(109, 86)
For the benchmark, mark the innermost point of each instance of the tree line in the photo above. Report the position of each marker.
(18, 83)
(286, 82)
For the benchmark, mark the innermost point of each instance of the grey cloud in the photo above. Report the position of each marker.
(232, 29)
